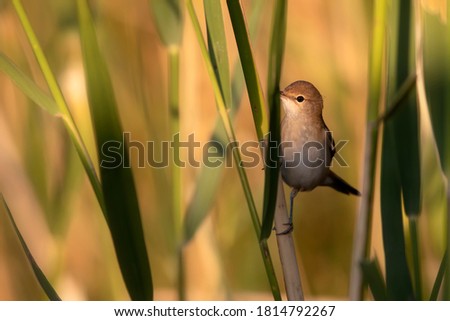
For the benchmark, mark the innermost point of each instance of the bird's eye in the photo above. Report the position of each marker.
(300, 99)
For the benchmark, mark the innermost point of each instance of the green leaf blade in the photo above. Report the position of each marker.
(209, 179)
(372, 275)
(437, 81)
(273, 93)
(254, 89)
(398, 279)
(217, 47)
(40, 276)
(168, 17)
(400, 160)
(63, 111)
(236, 153)
(122, 208)
(406, 120)
(28, 86)
(207, 184)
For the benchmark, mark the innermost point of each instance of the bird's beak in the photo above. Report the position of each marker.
(283, 95)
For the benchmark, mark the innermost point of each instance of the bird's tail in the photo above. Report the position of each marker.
(340, 185)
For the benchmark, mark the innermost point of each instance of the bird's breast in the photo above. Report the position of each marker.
(305, 155)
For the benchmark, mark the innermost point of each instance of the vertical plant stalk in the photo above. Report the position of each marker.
(286, 250)
(422, 102)
(446, 295)
(274, 200)
(362, 233)
(446, 152)
(417, 271)
(361, 240)
(174, 111)
(270, 271)
(174, 106)
(168, 17)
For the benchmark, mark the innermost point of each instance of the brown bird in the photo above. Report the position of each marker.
(307, 145)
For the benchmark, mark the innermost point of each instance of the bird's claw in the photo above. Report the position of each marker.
(288, 230)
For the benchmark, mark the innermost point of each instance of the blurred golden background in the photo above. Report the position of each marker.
(55, 208)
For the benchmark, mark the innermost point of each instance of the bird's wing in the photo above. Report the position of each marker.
(329, 141)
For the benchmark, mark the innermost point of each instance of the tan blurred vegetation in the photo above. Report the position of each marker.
(50, 196)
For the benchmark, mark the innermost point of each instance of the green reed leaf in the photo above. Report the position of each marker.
(40, 276)
(63, 110)
(273, 93)
(374, 278)
(28, 86)
(168, 16)
(255, 93)
(210, 177)
(122, 208)
(226, 121)
(437, 81)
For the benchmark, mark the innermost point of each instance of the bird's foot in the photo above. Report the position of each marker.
(289, 229)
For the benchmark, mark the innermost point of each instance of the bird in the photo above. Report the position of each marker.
(307, 146)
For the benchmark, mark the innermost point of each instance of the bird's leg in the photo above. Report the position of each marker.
(294, 192)
(290, 224)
